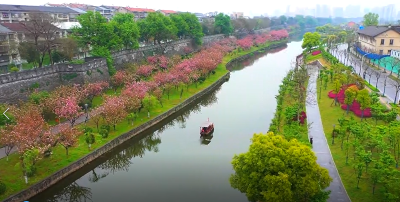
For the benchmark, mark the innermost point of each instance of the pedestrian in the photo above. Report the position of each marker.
(311, 140)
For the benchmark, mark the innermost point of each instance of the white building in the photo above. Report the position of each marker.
(395, 54)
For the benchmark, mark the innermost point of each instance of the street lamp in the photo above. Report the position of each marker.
(333, 134)
(362, 62)
(86, 111)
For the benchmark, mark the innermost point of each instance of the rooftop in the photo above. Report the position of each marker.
(373, 31)
(47, 9)
(168, 11)
(143, 10)
(14, 27)
(67, 25)
(4, 29)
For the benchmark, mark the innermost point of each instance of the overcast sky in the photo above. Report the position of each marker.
(249, 7)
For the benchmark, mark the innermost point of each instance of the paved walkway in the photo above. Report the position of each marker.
(320, 144)
(54, 130)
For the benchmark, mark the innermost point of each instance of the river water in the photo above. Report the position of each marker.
(170, 162)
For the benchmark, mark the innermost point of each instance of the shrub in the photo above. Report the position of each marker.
(3, 188)
(14, 69)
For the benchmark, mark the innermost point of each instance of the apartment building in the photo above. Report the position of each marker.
(167, 12)
(139, 13)
(379, 39)
(17, 13)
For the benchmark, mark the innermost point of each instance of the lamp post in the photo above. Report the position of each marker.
(362, 62)
(86, 111)
(333, 134)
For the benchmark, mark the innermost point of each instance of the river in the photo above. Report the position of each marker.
(170, 162)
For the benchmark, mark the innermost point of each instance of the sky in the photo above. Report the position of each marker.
(250, 8)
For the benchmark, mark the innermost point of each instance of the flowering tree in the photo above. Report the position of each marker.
(68, 108)
(94, 89)
(7, 139)
(245, 43)
(118, 80)
(157, 93)
(144, 70)
(279, 34)
(135, 89)
(113, 110)
(67, 136)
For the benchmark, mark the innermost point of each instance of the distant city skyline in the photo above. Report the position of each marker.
(249, 8)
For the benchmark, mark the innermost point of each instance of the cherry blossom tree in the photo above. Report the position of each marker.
(68, 108)
(67, 136)
(94, 89)
(118, 80)
(7, 139)
(113, 110)
(135, 89)
(245, 43)
(144, 70)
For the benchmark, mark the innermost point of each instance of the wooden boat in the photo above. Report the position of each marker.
(206, 139)
(206, 128)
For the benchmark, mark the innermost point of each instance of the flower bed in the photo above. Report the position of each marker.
(317, 52)
(355, 107)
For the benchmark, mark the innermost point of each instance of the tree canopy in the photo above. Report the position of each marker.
(371, 19)
(275, 169)
(223, 24)
(311, 40)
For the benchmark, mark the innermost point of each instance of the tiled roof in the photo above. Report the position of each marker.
(373, 31)
(22, 8)
(168, 11)
(57, 5)
(4, 29)
(79, 10)
(77, 5)
(15, 27)
(143, 10)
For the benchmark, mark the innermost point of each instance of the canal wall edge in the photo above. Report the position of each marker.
(61, 174)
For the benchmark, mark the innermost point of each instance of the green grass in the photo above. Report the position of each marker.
(12, 176)
(330, 115)
(311, 58)
(371, 87)
(27, 66)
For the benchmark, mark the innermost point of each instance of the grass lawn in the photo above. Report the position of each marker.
(12, 175)
(330, 115)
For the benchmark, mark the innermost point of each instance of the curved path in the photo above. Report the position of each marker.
(320, 143)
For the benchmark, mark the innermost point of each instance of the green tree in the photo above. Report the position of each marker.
(96, 31)
(371, 19)
(149, 102)
(223, 24)
(195, 30)
(160, 28)
(311, 40)
(180, 24)
(283, 19)
(364, 99)
(126, 29)
(350, 95)
(29, 53)
(276, 170)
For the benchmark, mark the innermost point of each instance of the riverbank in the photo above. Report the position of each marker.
(59, 161)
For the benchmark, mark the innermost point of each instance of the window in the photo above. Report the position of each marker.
(5, 15)
(391, 42)
(382, 41)
(389, 51)
(380, 52)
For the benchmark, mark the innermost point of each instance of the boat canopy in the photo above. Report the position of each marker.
(206, 124)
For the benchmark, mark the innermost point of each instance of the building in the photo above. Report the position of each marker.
(338, 12)
(379, 39)
(139, 13)
(236, 15)
(17, 13)
(395, 54)
(167, 12)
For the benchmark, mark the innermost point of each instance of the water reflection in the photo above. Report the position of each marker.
(239, 65)
(118, 160)
(72, 193)
(206, 140)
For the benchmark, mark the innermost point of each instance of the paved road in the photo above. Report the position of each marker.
(320, 144)
(54, 130)
(390, 90)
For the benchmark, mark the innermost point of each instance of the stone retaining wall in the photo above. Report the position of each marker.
(53, 179)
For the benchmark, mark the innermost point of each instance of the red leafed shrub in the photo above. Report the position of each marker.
(316, 52)
(355, 107)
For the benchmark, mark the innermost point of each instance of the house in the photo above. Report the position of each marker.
(106, 12)
(351, 24)
(5, 56)
(139, 13)
(395, 54)
(167, 12)
(379, 39)
(200, 16)
(17, 13)
(66, 27)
